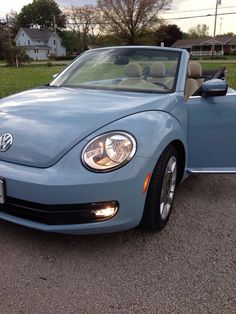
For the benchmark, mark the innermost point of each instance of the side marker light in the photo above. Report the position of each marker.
(146, 182)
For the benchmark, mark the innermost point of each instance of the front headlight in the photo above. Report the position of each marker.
(109, 151)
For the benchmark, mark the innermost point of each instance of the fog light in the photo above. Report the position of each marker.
(107, 212)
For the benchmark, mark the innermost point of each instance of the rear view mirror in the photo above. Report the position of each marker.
(121, 60)
(212, 88)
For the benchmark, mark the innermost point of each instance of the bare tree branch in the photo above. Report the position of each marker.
(84, 20)
(129, 19)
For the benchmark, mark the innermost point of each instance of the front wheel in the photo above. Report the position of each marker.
(160, 195)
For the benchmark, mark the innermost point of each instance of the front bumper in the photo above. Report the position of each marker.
(53, 199)
(59, 214)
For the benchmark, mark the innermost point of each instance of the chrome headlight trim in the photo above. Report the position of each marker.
(100, 149)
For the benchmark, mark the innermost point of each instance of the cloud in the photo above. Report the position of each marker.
(66, 3)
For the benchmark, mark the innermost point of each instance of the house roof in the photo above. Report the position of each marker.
(232, 40)
(220, 39)
(38, 34)
(188, 43)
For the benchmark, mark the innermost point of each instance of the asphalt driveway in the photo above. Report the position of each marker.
(190, 267)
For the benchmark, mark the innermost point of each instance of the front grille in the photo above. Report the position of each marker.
(54, 214)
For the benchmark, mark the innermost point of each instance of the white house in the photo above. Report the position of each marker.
(40, 44)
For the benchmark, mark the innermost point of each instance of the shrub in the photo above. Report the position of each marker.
(16, 55)
(63, 58)
(232, 52)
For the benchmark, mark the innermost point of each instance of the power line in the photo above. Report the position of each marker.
(197, 10)
(196, 16)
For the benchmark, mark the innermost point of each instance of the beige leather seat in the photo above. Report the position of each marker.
(157, 73)
(190, 88)
(195, 72)
(194, 79)
(134, 75)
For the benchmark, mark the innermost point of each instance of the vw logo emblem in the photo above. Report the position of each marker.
(5, 142)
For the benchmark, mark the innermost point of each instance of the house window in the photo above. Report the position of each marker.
(29, 42)
(22, 34)
(54, 42)
(36, 51)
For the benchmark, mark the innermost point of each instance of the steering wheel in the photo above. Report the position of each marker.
(162, 85)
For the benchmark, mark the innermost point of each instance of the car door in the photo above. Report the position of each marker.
(212, 133)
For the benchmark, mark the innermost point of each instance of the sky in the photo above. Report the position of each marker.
(180, 9)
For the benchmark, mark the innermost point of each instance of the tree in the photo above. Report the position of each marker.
(83, 20)
(12, 23)
(4, 40)
(70, 40)
(107, 40)
(129, 19)
(168, 34)
(228, 34)
(41, 14)
(16, 56)
(198, 31)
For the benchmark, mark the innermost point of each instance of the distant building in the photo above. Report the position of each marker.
(40, 44)
(203, 46)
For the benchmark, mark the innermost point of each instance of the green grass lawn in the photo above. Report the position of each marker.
(14, 80)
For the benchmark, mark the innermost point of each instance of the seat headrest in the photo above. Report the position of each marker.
(194, 70)
(133, 70)
(157, 70)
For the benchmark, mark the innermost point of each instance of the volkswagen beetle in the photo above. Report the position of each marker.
(104, 145)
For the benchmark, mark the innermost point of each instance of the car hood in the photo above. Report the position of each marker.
(47, 122)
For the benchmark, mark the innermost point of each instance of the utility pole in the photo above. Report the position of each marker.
(218, 2)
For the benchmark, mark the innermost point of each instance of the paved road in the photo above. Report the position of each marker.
(190, 267)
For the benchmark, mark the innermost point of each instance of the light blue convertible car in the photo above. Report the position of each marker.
(104, 145)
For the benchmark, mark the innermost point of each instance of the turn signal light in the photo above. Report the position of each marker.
(146, 182)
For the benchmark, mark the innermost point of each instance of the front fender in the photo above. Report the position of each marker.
(153, 130)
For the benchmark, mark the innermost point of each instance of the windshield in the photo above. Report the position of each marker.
(128, 69)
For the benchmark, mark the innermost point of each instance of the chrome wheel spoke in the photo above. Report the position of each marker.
(168, 187)
(162, 206)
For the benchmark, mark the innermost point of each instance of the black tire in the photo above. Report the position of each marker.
(152, 217)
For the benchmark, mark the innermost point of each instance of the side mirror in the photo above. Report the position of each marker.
(54, 75)
(214, 87)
